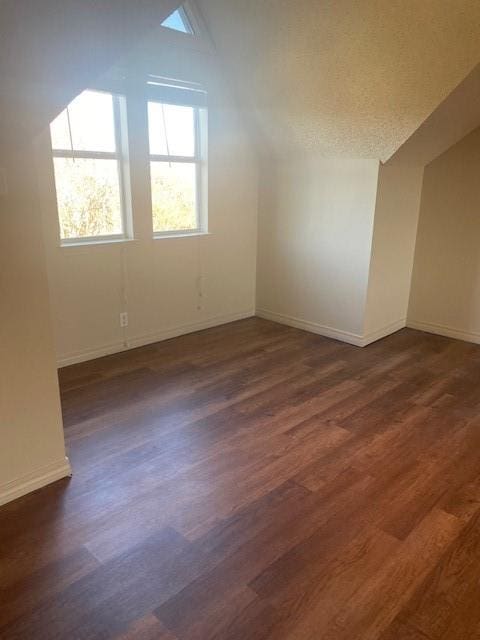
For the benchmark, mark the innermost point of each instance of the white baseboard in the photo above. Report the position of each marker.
(443, 330)
(329, 332)
(35, 480)
(140, 341)
(313, 327)
(91, 354)
(383, 332)
(182, 330)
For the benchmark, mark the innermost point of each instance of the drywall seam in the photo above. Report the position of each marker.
(443, 330)
(35, 480)
(158, 336)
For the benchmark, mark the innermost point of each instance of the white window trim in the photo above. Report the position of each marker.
(121, 155)
(199, 159)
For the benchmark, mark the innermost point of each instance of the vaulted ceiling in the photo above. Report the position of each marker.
(343, 77)
(51, 49)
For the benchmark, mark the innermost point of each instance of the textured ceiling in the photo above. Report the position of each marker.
(344, 77)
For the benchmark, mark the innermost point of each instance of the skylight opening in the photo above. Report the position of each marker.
(178, 21)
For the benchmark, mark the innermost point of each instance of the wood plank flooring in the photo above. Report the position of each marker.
(256, 482)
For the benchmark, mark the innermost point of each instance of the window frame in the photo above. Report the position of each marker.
(199, 159)
(121, 155)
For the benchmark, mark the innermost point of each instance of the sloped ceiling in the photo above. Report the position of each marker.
(456, 117)
(51, 49)
(344, 77)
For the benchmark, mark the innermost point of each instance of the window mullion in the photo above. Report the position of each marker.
(86, 155)
(119, 147)
(198, 177)
(165, 158)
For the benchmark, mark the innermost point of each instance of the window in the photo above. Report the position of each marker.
(177, 167)
(92, 169)
(89, 152)
(178, 21)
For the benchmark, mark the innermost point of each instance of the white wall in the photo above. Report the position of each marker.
(167, 286)
(393, 247)
(39, 70)
(316, 220)
(445, 296)
(32, 449)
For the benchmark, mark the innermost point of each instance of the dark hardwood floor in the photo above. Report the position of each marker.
(255, 482)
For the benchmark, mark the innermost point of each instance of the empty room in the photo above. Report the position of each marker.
(240, 329)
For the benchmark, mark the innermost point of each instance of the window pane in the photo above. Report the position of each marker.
(178, 21)
(173, 196)
(171, 129)
(88, 196)
(91, 122)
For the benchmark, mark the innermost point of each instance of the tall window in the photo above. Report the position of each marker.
(177, 168)
(89, 152)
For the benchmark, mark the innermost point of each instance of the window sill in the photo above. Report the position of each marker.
(169, 236)
(95, 243)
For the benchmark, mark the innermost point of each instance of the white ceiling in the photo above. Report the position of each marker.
(343, 77)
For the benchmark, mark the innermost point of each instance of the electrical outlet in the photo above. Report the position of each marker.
(124, 319)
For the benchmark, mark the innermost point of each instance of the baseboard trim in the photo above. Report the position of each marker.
(159, 336)
(291, 321)
(92, 354)
(323, 330)
(182, 330)
(329, 332)
(35, 480)
(443, 330)
(385, 331)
